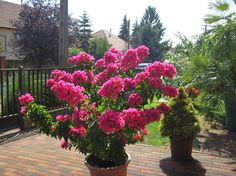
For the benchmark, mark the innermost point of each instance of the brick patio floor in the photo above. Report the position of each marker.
(41, 155)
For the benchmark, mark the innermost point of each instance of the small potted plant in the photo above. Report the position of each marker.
(181, 124)
(106, 101)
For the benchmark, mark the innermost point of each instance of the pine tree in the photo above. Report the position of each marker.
(124, 30)
(136, 35)
(150, 32)
(85, 31)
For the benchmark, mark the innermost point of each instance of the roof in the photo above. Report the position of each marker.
(8, 11)
(111, 39)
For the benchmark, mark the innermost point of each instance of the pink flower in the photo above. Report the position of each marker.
(23, 110)
(154, 82)
(112, 88)
(152, 115)
(142, 52)
(91, 77)
(53, 128)
(79, 77)
(78, 130)
(112, 68)
(145, 131)
(116, 51)
(64, 144)
(129, 60)
(109, 58)
(129, 83)
(100, 63)
(134, 118)
(135, 100)
(138, 137)
(111, 122)
(163, 108)
(80, 115)
(64, 118)
(81, 58)
(156, 69)
(170, 71)
(59, 75)
(102, 77)
(69, 92)
(140, 77)
(170, 91)
(25, 99)
(50, 82)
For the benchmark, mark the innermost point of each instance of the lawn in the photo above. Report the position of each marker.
(154, 136)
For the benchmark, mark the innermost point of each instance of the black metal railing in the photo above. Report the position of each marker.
(17, 81)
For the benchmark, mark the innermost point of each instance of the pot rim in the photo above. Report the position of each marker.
(107, 168)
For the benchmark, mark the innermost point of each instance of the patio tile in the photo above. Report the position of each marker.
(38, 155)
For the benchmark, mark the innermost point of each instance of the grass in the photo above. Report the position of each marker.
(154, 137)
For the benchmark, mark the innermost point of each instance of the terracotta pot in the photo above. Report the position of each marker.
(181, 150)
(110, 171)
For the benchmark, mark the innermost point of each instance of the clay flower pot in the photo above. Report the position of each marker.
(109, 171)
(181, 150)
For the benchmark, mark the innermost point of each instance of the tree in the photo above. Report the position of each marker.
(98, 47)
(37, 32)
(124, 30)
(150, 32)
(85, 31)
(136, 34)
(37, 36)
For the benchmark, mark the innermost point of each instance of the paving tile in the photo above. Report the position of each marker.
(39, 155)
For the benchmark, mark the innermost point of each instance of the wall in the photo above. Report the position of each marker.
(8, 54)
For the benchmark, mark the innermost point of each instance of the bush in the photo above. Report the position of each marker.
(182, 121)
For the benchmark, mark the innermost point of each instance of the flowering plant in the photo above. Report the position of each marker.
(107, 102)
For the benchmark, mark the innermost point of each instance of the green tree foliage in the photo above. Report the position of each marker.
(150, 32)
(124, 30)
(210, 62)
(98, 47)
(85, 31)
(37, 36)
(182, 121)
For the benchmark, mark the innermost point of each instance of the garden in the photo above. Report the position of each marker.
(183, 104)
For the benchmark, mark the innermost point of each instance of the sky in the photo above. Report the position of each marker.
(184, 16)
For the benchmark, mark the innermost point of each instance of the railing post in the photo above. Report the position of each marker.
(20, 91)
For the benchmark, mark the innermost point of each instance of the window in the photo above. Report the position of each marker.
(2, 43)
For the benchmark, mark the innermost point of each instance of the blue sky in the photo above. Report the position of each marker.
(184, 16)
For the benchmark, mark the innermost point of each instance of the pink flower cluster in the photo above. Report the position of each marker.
(80, 77)
(25, 99)
(64, 144)
(170, 91)
(143, 52)
(111, 122)
(112, 88)
(158, 69)
(69, 92)
(135, 100)
(78, 130)
(129, 60)
(134, 118)
(152, 115)
(63, 118)
(129, 83)
(81, 58)
(59, 75)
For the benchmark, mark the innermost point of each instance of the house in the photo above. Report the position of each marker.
(8, 11)
(112, 39)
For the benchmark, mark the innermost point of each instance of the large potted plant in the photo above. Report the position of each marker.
(106, 101)
(181, 124)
